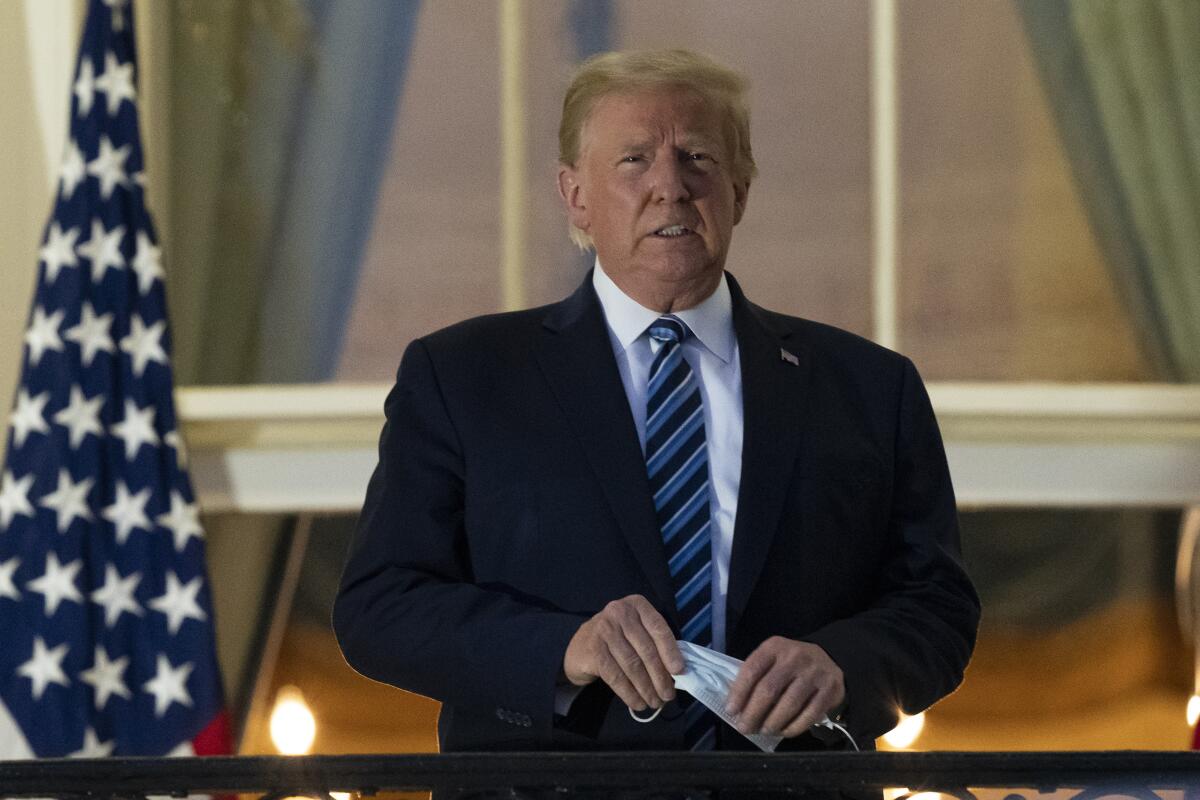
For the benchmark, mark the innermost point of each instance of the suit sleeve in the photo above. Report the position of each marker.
(407, 611)
(910, 648)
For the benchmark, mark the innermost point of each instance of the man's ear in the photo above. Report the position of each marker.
(741, 193)
(572, 196)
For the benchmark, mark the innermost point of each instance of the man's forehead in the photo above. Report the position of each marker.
(644, 116)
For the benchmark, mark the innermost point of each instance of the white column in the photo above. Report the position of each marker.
(885, 173)
(513, 189)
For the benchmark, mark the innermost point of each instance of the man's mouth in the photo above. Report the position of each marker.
(672, 231)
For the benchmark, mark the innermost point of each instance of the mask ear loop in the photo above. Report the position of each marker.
(650, 718)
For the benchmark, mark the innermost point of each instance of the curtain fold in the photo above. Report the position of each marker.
(1121, 79)
(279, 120)
(342, 132)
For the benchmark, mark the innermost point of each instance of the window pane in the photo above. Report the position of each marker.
(803, 247)
(1001, 277)
(433, 254)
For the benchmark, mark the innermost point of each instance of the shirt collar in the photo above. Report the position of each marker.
(711, 322)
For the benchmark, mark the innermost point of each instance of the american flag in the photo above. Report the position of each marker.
(106, 637)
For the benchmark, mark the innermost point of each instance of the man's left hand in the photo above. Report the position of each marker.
(785, 687)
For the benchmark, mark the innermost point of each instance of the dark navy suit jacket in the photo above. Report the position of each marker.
(511, 503)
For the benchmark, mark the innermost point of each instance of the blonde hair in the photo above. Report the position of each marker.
(613, 73)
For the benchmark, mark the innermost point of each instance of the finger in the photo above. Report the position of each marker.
(664, 638)
(749, 674)
(814, 710)
(615, 678)
(788, 707)
(644, 643)
(629, 660)
(763, 698)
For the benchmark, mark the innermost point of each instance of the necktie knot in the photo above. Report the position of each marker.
(668, 329)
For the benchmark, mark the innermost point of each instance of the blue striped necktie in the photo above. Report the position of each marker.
(677, 463)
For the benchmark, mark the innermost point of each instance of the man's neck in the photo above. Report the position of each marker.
(668, 297)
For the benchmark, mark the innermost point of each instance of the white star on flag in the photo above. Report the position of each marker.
(69, 500)
(118, 13)
(116, 82)
(183, 520)
(144, 344)
(72, 171)
(85, 86)
(174, 440)
(103, 249)
(178, 602)
(29, 416)
(106, 677)
(93, 747)
(128, 511)
(58, 251)
(57, 583)
(7, 570)
(43, 334)
(116, 595)
(45, 667)
(81, 416)
(137, 428)
(169, 685)
(14, 498)
(109, 166)
(147, 262)
(92, 334)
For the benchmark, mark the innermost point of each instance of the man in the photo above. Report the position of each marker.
(564, 492)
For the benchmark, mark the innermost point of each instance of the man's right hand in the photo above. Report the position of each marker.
(631, 648)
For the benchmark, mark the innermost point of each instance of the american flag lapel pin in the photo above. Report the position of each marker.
(790, 358)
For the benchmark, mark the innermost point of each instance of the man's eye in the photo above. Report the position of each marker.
(698, 157)
(631, 159)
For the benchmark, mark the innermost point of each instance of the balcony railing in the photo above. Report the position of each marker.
(967, 776)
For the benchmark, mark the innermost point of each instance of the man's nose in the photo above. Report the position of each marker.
(669, 181)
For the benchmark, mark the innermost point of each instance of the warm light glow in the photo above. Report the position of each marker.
(293, 726)
(904, 734)
(340, 795)
(1193, 710)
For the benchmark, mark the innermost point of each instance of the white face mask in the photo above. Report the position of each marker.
(707, 676)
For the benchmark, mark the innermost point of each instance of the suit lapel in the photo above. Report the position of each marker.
(775, 372)
(575, 354)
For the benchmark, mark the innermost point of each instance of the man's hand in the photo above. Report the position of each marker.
(630, 647)
(785, 687)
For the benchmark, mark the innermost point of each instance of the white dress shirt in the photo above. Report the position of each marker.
(712, 353)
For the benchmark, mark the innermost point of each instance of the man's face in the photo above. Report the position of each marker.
(654, 188)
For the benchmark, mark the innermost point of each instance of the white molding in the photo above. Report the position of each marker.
(1047, 413)
(312, 448)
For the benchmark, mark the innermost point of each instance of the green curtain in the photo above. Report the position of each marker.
(1123, 80)
(228, 155)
